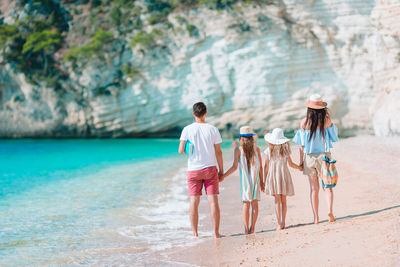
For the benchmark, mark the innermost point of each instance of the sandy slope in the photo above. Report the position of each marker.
(367, 207)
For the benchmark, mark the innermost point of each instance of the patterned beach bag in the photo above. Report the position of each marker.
(329, 174)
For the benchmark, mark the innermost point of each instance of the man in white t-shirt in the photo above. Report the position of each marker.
(204, 155)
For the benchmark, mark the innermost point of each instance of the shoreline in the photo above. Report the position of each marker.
(366, 207)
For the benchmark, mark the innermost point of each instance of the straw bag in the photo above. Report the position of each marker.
(329, 174)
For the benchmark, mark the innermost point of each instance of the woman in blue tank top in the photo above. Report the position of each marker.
(315, 137)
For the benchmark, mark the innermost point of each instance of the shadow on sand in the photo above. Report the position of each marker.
(337, 219)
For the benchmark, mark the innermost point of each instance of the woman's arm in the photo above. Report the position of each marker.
(260, 170)
(301, 148)
(301, 152)
(235, 164)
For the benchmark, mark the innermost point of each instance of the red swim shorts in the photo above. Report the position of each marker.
(207, 176)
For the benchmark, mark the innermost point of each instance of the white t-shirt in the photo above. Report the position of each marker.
(203, 137)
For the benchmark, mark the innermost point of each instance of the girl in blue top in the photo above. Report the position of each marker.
(315, 137)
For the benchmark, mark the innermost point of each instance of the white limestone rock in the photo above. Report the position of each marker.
(251, 66)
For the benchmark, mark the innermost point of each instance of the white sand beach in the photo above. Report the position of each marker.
(366, 206)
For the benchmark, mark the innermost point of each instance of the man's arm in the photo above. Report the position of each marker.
(182, 147)
(218, 155)
(236, 156)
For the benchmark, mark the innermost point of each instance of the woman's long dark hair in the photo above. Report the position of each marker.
(316, 119)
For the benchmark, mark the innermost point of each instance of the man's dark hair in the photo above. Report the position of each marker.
(199, 109)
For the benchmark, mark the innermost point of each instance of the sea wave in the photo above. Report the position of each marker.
(166, 216)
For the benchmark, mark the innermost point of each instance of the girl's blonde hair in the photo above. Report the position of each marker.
(284, 149)
(248, 145)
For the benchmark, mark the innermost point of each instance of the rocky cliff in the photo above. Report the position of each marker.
(251, 63)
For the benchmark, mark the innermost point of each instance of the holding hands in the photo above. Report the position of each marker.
(294, 165)
(221, 176)
(300, 167)
(262, 187)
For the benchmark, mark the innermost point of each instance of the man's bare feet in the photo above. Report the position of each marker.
(217, 235)
(251, 231)
(316, 220)
(331, 217)
(195, 234)
(279, 228)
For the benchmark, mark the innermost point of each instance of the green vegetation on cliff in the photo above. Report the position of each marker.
(98, 42)
(146, 40)
(32, 41)
(7, 34)
(44, 34)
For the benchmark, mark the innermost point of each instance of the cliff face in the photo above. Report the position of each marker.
(252, 65)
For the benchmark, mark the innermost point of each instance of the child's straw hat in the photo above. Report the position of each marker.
(246, 131)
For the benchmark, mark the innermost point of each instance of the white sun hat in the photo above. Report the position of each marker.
(276, 137)
(315, 102)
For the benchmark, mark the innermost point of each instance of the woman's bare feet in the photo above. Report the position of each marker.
(331, 217)
(316, 220)
(217, 235)
(279, 228)
(195, 234)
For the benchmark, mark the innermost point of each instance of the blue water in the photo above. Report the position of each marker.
(28, 163)
(91, 202)
(76, 202)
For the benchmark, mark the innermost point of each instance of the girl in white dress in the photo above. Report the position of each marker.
(276, 175)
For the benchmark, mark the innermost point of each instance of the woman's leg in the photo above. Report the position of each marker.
(254, 215)
(278, 209)
(246, 215)
(284, 208)
(329, 200)
(314, 191)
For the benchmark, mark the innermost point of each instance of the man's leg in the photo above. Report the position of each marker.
(194, 213)
(215, 213)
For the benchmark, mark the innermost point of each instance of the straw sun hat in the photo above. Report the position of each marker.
(315, 102)
(276, 137)
(246, 131)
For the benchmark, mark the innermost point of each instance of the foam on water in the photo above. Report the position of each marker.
(167, 216)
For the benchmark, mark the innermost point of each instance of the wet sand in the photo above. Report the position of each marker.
(366, 206)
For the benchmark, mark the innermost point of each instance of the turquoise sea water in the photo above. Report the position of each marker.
(90, 202)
